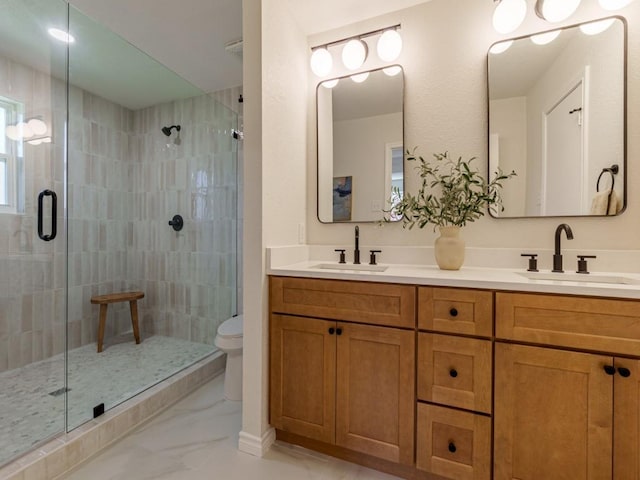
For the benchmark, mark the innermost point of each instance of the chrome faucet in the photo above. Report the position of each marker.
(557, 256)
(356, 252)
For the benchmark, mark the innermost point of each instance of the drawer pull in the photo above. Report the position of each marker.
(452, 447)
(609, 369)
(453, 373)
(624, 372)
(453, 312)
(332, 331)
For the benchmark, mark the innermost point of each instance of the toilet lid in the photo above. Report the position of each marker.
(231, 327)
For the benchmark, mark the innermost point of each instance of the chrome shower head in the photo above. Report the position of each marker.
(167, 130)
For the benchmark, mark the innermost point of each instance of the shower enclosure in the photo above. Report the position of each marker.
(88, 185)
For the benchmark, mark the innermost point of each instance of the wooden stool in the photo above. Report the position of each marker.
(105, 300)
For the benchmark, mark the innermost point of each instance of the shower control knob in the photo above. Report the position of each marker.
(177, 223)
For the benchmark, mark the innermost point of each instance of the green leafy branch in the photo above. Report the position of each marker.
(452, 193)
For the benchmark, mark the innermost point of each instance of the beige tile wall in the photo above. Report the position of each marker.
(124, 185)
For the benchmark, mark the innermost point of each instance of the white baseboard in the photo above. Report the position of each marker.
(256, 446)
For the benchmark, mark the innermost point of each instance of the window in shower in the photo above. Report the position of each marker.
(10, 156)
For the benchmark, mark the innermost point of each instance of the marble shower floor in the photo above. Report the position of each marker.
(197, 438)
(29, 414)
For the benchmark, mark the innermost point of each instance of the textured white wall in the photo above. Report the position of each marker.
(275, 86)
(444, 58)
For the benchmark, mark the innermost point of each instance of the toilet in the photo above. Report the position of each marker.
(229, 340)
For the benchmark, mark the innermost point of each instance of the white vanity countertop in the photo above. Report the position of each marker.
(473, 277)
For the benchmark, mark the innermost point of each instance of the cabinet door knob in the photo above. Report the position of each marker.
(624, 372)
(331, 330)
(453, 373)
(609, 369)
(338, 331)
(453, 312)
(452, 447)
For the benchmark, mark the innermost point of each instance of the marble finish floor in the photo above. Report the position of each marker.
(29, 413)
(197, 438)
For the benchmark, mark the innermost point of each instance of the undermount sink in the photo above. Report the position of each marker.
(352, 268)
(580, 277)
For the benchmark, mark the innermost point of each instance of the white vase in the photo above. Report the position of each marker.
(449, 249)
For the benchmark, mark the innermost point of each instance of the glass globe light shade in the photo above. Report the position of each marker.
(354, 54)
(321, 62)
(594, 28)
(12, 132)
(509, 15)
(330, 83)
(498, 48)
(360, 77)
(556, 10)
(392, 71)
(544, 38)
(37, 126)
(25, 130)
(389, 46)
(614, 4)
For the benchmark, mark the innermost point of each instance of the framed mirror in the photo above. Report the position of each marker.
(557, 117)
(360, 144)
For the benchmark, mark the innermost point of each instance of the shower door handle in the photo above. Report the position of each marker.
(54, 214)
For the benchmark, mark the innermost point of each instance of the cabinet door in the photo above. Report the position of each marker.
(626, 417)
(303, 366)
(553, 414)
(375, 399)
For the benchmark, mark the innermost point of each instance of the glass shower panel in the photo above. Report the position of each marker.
(33, 106)
(144, 147)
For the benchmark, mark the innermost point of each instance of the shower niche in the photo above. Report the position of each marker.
(85, 120)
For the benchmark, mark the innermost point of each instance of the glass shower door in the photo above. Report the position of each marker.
(145, 146)
(33, 106)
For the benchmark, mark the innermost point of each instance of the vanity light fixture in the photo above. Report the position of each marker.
(321, 62)
(509, 15)
(501, 47)
(360, 77)
(26, 129)
(545, 38)
(354, 53)
(61, 35)
(614, 4)
(389, 46)
(355, 50)
(556, 10)
(594, 28)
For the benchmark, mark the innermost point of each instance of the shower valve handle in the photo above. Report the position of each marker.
(177, 223)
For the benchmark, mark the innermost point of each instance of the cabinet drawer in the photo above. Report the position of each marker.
(569, 321)
(373, 303)
(455, 310)
(455, 371)
(453, 443)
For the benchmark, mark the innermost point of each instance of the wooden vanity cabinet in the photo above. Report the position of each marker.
(566, 413)
(340, 382)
